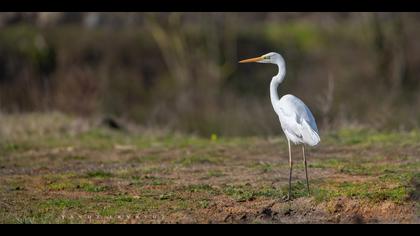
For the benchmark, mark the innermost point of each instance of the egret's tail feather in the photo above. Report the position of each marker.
(309, 135)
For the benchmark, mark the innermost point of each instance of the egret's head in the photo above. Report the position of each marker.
(272, 57)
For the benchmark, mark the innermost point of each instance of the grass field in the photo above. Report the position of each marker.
(59, 169)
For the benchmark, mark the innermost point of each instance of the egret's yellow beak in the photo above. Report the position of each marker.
(255, 59)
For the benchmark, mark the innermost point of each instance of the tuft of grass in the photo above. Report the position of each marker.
(61, 203)
(205, 203)
(60, 186)
(241, 193)
(89, 187)
(126, 205)
(263, 167)
(298, 189)
(270, 192)
(181, 205)
(98, 174)
(194, 188)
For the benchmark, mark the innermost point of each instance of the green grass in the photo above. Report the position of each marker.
(8, 147)
(365, 137)
(377, 190)
(204, 203)
(263, 167)
(194, 188)
(386, 180)
(99, 174)
(129, 205)
(88, 187)
(60, 186)
(215, 173)
(74, 183)
(368, 166)
(54, 204)
(240, 193)
(170, 176)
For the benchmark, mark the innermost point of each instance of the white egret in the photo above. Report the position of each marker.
(296, 119)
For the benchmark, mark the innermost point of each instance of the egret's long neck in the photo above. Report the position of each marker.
(275, 82)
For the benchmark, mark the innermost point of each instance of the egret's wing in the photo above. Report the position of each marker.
(309, 118)
(309, 135)
(298, 120)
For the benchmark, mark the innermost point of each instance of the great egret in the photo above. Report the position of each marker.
(296, 119)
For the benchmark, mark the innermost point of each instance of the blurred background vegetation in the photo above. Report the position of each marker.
(179, 71)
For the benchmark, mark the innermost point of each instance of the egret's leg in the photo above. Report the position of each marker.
(290, 168)
(306, 168)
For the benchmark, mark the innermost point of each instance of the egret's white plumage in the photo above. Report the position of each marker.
(296, 119)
